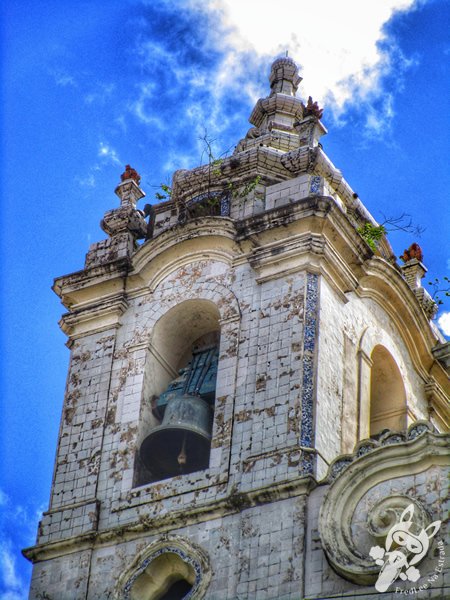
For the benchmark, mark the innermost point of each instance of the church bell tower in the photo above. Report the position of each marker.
(256, 392)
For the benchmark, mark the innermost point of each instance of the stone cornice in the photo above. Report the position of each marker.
(311, 252)
(231, 503)
(441, 352)
(312, 233)
(346, 261)
(282, 216)
(94, 318)
(193, 229)
(261, 160)
(314, 160)
(314, 215)
(83, 285)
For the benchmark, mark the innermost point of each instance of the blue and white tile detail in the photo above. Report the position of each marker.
(315, 184)
(309, 350)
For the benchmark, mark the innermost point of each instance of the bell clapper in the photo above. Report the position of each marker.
(182, 458)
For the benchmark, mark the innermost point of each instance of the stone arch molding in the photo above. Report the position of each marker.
(177, 288)
(196, 282)
(353, 518)
(371, 338)
(192, 556)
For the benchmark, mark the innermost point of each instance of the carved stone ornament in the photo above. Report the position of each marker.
(299, 160)
(130, 173)
(414, 251)
(387, 512)
(358, 510)
(312, 109)
(123, 219)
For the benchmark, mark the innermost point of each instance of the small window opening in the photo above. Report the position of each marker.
(167, 577)
(178, 590)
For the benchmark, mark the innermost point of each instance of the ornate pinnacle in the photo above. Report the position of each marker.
(284, 77)
(414, 251)
(130, 173)
(312, 109)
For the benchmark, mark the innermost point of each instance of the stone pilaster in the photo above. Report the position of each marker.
(413, 271)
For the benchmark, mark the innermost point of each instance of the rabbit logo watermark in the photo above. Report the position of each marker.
(403, 550)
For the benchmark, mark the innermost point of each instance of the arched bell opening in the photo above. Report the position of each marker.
(167, 577)
(179, 393)
(387, 393)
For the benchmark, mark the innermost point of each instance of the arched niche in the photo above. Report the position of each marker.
(174, 336)
(179, 335)
(170, 569)
(387, 393)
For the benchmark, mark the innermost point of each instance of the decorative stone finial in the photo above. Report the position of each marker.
(128, 190)
(284, 77)
(414, 251)
(130, 173)
(312, 109)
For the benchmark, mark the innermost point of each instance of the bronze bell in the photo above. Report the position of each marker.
(181, 444)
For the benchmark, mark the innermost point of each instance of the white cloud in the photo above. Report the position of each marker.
(212, 63)
(107, 152)
(177, 160)
(335, 42)
(10, 577)
(444, 323)
(14, 595)
(102, 93)
(64, 80)
(141, 107)
(342, 47)
(89, 181)
(18, 525)
(378, 118)
(3, 498)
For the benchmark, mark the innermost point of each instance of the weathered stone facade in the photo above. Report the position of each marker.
(324, 342)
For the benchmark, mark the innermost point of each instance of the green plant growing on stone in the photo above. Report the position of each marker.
(247, 188)
(372, 234)
(211, 201)
(215, 171)
(165, 194)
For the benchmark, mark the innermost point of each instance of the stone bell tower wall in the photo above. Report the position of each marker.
(73, 502)
(330, 393)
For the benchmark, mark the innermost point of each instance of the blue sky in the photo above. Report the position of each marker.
(91, 86)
